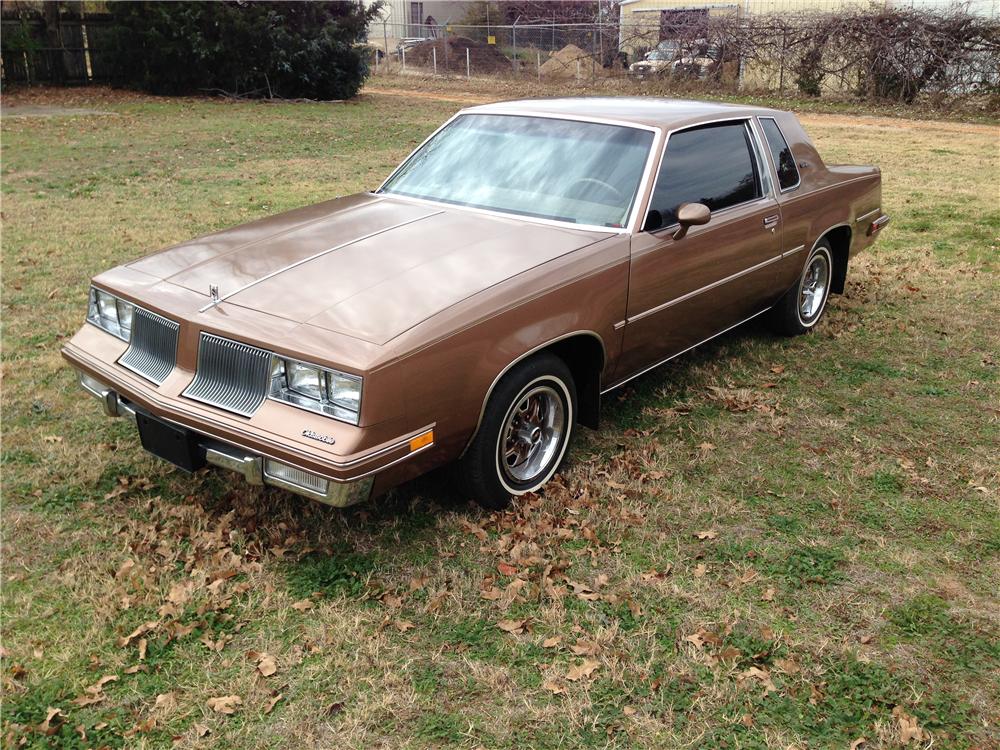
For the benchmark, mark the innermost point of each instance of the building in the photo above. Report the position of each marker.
(404, 19)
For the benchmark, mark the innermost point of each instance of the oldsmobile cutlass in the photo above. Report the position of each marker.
(526, 259)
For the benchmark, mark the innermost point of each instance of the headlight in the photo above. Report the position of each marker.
(109, 312)
(336, 394)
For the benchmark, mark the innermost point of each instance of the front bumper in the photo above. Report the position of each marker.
(255, 469)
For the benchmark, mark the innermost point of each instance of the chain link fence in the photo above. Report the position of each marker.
(858, 51)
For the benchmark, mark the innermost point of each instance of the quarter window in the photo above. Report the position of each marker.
(711, 164)
(784, 162)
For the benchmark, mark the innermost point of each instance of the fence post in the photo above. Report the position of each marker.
(513, 36)
(538, 64)
(578, 68)
(434, 55)
(404, 57)
(385, 42)
(468, 69)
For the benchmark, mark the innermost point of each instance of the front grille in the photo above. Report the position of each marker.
(152, 350)
(231, 375)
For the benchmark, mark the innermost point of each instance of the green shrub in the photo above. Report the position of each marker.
(263, 49)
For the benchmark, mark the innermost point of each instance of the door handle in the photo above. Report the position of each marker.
(770, 222)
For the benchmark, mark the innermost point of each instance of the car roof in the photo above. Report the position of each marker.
(641, 110)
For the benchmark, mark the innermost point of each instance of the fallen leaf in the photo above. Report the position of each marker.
(700, 570)
(748, 575)
(266, 665)
(581, 670)
(778, 369)
(512, 626)
(696, 639)
(554, 687)
(141, 630)
(165, 701)
(909, 729)
(201, 730)
(858, 743)
(88, 700)
(491, 594)
(269, 706)
(706, 447)
(403, 625)
(706, 535)
(47, 727)
(730, 653)
(303, 605)
(125, 568)
(507, 570)
(654, 574)
(788, 666)
(226, 704)
(585, 648)
(762, 675)
(552, 642)
(768, 595)
(98, 686)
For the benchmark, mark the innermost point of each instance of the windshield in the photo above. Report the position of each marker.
(581, 172)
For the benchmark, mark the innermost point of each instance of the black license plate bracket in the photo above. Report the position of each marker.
(175, 444)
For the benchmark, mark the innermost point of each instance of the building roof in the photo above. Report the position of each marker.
(641, 110)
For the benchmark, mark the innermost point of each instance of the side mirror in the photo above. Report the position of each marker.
(690, 215)
(654, 220)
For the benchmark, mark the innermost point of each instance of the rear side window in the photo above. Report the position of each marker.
(784, 162)
(712, 164)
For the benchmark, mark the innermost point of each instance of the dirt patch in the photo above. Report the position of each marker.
(48, 110)
(569, 62)
(86, 97)
(483, 58)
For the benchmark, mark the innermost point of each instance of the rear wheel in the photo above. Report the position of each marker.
(524, 434)
(803, 305)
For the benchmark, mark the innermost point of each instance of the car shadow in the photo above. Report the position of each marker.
(406, 521)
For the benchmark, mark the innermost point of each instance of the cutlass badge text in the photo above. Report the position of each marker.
(317, 436)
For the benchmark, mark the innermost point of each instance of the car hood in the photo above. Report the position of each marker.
(367, 266)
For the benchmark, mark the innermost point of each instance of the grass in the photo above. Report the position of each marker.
(848, 479)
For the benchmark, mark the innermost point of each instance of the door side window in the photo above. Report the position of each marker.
(781, 155)
(710, 164)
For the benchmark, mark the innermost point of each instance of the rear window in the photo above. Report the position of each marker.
(784, 162)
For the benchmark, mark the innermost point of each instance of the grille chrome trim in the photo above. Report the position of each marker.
(230, 375)
(152, 350)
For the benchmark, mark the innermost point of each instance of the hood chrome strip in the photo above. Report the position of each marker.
(320, 254)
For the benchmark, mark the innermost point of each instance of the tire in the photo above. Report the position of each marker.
(802, 306)
(524, 435)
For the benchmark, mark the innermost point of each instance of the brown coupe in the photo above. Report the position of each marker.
(527, 258)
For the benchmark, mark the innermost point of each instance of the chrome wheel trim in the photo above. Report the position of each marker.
(534, 435)
(814, 287)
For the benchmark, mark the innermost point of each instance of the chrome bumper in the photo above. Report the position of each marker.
(235, 458)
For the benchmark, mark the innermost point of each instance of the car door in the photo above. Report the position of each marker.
(684, 291)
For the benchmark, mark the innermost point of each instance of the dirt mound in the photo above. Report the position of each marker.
(563, 64)
(483, 58)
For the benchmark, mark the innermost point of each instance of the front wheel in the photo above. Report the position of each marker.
(524, 434)
(803, 305)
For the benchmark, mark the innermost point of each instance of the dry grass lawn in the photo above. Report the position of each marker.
(770, 544)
